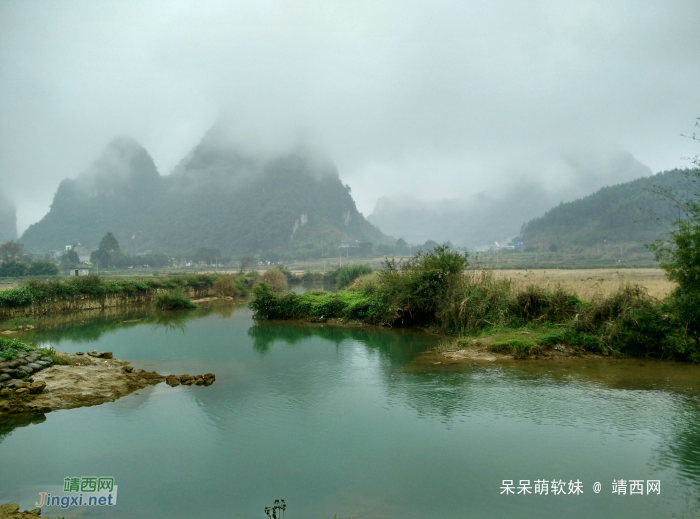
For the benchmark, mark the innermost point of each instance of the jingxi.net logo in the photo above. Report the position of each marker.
(75, 492)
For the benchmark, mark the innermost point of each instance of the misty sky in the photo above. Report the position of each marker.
(434, 99)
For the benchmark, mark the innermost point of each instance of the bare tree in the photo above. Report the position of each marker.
(246, 262)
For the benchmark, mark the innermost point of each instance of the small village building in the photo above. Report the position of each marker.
(80, 271)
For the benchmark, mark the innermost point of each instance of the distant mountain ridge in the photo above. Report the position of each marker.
(500, 212)
(217, 196)
(623, 213)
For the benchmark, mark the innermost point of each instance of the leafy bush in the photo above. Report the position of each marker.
(43, 268)
(344, 276)
(367, 284)
(13, 269)
(318, 306)
(425, 284)
(173, 301)
(225, 286)
(275, 279)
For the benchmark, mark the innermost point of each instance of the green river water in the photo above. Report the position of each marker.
(361, 423)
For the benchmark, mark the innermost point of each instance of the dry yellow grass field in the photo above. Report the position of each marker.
(592, 283)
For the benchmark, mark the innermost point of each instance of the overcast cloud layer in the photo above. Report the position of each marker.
(434, 99)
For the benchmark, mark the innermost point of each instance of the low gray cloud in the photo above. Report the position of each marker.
(433, 99)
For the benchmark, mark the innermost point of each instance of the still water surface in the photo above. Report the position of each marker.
(360, 423)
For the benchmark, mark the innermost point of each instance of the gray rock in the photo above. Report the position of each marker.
(5, 370)
(13, 364)
(22, 362)
(23, 371)
(42, 363)
(34, 366)
(5, 377)
(46, 358)
(4, 364)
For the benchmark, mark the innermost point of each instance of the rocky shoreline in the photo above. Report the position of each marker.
(13, 512)
(86, 380)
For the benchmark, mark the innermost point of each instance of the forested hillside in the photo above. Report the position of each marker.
(218, 196)
(629, 212)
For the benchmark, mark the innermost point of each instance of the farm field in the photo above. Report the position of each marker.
(592, 283)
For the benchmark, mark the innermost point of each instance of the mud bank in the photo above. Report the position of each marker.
(86, 381)
(487, 353)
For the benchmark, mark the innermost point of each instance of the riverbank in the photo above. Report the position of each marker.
(35, 298)
(84, 380)
(436, 291)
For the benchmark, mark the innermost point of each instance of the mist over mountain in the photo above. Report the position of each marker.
(625, 213)
(8, 219)
(498, 213)
(218, 196)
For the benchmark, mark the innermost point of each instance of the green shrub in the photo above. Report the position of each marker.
(367, 284)
(425, 284)
(173, 301)
(225, 286)
(275, 279)
(43, 268)
(342, 277)
(318, 306)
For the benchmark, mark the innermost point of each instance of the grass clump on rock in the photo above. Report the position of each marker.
(173, 301)
(9, 348)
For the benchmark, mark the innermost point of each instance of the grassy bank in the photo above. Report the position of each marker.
(437, 291)
(11, 348)
(37, 292)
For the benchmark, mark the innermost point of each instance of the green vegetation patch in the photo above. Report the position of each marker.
(318, 306)
(10, 347)
(343, 277)
(36, 292)
(173, 301)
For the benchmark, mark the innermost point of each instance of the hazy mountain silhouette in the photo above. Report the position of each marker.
(494, 215)
(218, 196)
